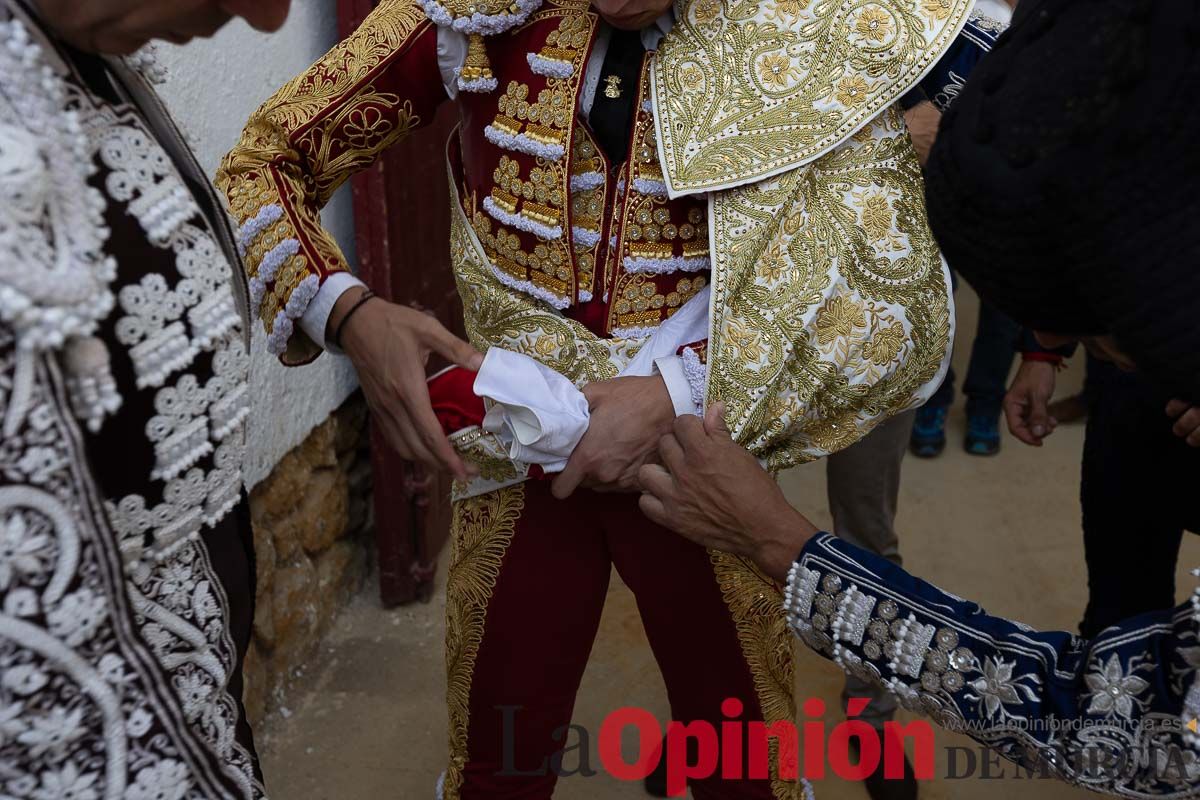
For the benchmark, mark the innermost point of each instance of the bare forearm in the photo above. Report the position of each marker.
(780, 541)
(347, 302)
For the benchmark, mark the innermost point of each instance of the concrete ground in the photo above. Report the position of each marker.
(369, 722)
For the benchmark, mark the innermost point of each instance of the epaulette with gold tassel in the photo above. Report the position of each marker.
(477, 19)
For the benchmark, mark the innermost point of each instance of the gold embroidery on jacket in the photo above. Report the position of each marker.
(756, 605)
(588, 209)
(483, 528)
(548, 266)
(547, 119)
(497, 316)
(640, 303)
(658, 240)
(540, 199)
(333, 116)
(570, 41)
(543, 191)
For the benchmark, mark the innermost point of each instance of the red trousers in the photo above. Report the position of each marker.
(524, 597)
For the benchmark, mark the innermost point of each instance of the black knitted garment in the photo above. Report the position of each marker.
(1065, 182)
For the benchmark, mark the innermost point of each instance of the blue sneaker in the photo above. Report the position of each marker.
(983, 435)
(929, 433)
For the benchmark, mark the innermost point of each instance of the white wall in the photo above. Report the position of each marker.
(213, 87)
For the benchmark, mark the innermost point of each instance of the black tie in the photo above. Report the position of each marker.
(617, 94)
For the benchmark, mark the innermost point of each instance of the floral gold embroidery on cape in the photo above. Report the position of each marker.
(831, 307)
(746, 90)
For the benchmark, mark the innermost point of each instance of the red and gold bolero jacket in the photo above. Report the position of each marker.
(766, 161)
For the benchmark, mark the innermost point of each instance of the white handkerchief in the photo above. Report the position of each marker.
(536, 412)
(539, 415)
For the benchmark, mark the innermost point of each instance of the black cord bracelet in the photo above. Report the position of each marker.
(362, 301)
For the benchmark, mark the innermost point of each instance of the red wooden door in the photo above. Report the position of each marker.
(401, 210)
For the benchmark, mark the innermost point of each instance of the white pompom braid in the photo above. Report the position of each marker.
(650, 187)
(475, 22)
(530, 288)
(477, 19)
(664, 266)
(255, 226)
(520, 143)
(477, 85)
(521, 222)
(550, 67)
(586, 181)
(146, 62)
(585, 237)
(696, 373)
(281, 332)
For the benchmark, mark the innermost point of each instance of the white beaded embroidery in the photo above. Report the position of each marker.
(54, 274)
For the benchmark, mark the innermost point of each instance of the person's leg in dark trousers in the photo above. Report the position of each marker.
(928, 438)
(987, 378)
(1097, 375)
(527, 582)
(944, 396)
(1138, 483)
(864, 490)
(992, 356)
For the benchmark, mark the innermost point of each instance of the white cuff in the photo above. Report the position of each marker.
(315, 318)
(671, 370)
(536, 413)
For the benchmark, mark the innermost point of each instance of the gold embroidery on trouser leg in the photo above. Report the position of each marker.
(756, 605)
(483, 529)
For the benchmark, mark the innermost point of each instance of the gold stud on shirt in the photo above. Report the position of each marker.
(613, 88)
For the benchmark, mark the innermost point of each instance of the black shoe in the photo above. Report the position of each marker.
(655, 783)
(881, 788)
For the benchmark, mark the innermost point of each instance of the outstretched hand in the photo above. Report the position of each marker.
(713, 492)
(389, 346)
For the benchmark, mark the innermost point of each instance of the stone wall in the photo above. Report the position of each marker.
(313, 542)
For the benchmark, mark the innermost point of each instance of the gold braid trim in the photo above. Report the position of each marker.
(311, 137)
(483, 528)
(756, 605)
